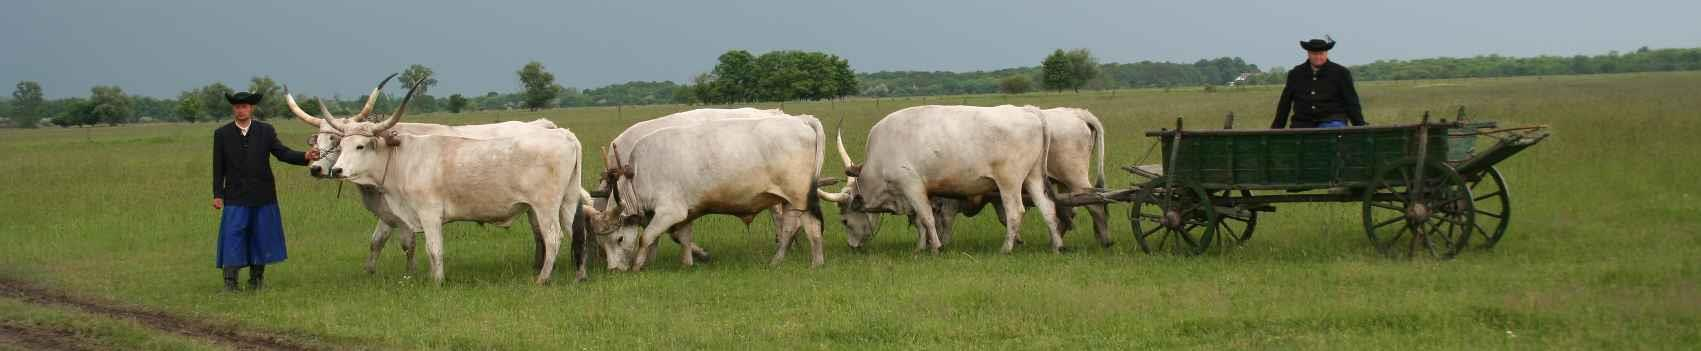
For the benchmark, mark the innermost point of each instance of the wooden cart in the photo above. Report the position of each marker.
(1422, 186)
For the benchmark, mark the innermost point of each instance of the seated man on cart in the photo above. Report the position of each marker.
(1319, 92)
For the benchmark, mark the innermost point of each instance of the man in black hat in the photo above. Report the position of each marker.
(1319, 92)
(251, 229)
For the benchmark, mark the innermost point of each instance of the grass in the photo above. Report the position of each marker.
(1602, 252)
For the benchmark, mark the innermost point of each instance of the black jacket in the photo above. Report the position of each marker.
(1318, 95)
(242, 171)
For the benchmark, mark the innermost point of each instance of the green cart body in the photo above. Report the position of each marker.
(1423, 184)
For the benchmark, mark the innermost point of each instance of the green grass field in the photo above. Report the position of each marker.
(1603, 251)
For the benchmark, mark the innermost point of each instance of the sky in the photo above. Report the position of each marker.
(340, 47)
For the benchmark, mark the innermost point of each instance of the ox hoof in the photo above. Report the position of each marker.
(1061, 250)
(701, 257)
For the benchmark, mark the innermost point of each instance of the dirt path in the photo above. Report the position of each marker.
(24, 337)
(39, 338)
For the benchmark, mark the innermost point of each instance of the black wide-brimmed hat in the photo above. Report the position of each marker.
(1318, 44)
(243, 98)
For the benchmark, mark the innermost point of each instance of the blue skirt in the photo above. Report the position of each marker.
(250, 235)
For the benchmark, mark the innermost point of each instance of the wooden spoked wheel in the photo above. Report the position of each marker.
(1176, 220)
(1405, 212)
(1493, 203)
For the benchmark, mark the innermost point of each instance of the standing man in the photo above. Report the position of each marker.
(251, 229)
(1319, 92)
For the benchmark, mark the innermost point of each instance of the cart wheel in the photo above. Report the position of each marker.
(1439, 215)
(1238, 224)
(1493, 201)
(1177, 220)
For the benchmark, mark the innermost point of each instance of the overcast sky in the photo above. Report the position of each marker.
(158, 48)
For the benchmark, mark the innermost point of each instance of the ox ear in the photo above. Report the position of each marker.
(853, 171)
(391, 138)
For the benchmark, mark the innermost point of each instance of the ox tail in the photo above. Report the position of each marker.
(571, 210)
(813, 200)
(1098, 144)
(581, 239)
(1045, 149)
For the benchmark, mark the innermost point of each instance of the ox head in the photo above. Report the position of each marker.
(326, 138)
(612, 230)
(362, 157)
(860, 223)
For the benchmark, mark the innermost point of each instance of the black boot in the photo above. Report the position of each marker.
(256, 276)
(230, 279)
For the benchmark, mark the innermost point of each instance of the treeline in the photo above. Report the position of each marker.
(1640, 60)
(740, 76)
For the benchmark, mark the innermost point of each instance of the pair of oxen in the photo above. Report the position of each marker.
(663, 173)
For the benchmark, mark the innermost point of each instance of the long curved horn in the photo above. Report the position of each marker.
(296, 109)
(372, 99)
(400, 110)
(324, 112)
(839, 197)
(843, 156)
(330, 120)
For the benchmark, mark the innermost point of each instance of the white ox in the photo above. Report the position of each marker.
(1075, 134)
(325, 140)
(947, 151)
(739, 167)
(435, 179)
(615, 247)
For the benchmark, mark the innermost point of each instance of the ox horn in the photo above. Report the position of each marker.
(329, 118)
(296, 109)
(840, 197)
(850, 167)
(372, 99)
(400, 110)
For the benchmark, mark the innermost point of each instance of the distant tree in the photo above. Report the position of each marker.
(735, 77)
(878, 90)
(109, 104)
(703, 88)
(213, 104)
(272, 104)
(189, 107)
(1083, 66)
(457, 103)
(540, 87)
(1056, 72)
(1068, 70)
(1015, 85)
(26, 104)
(417, 72)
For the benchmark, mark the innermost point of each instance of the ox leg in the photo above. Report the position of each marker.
(407, 237)
(945, 212)
(687, 244)
(663, 221)
(433, 224)
(1101, 224)
(789, 222)
(380, 235)
(537, 242)
(549, 220)
(1036, 187)
(812, 228)
(1012, 215)
(923, 211)
(998, 208)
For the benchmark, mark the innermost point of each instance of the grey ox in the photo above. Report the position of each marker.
(615, 247)
(1074, 134)
(736, 166)
(430, 180)
(325, 141)
(948, 151)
